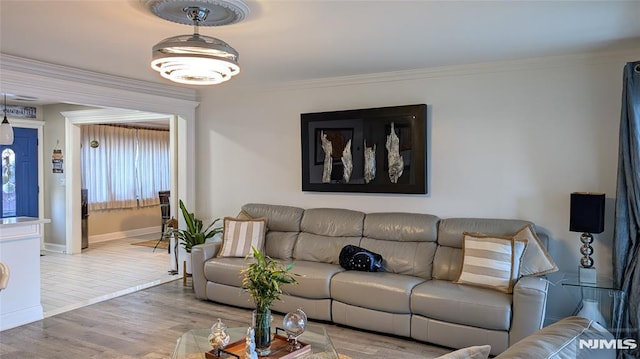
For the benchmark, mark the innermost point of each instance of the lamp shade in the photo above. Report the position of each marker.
(587, 212)
(195, 60)
(6, 132)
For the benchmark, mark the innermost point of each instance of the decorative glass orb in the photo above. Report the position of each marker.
(294, 324)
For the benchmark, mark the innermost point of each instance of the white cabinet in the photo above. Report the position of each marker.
(20, 251)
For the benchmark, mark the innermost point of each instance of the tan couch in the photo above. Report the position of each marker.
(415, 296)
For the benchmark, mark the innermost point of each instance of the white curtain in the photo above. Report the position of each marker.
(108, 157)
(153, 165)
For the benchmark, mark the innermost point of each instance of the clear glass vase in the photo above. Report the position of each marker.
(261, 322)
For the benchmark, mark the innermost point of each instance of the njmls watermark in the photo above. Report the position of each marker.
(625, 344)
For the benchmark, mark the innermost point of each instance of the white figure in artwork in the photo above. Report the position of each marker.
(369, 162)
(250, 351)
(396, 162)
(347, 162)
(328, 161)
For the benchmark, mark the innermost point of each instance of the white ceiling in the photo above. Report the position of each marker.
(309, 39)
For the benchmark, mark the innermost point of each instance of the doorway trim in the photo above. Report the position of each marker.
(70, 85)
(73, 121)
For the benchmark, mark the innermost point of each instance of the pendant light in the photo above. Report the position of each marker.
(197, 59)
(6, 131)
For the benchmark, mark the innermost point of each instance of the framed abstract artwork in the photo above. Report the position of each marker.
(375, 150)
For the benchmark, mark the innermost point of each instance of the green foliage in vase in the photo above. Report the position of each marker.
(194, 234)
(264, 277)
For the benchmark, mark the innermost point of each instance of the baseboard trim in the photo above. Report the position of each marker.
(53, 247)
(21, 317)
(122, 234)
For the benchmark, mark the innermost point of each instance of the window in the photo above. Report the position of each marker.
(8, 183)
(124, 167)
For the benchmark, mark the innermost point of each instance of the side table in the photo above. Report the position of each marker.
(600, 301)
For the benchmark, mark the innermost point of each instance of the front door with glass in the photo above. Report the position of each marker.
(20, 174)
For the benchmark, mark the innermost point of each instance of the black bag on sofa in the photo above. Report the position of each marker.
(360, 259)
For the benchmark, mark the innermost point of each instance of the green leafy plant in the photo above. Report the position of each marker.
(195, 234)
(263, 279)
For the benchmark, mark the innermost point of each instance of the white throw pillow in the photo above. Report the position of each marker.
(475, 352)
(239, 235)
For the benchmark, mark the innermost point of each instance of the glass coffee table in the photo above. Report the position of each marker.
(194, 343)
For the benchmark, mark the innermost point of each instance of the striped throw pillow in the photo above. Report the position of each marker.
(490, 261)
(238, 235)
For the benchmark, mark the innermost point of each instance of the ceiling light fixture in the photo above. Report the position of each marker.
(197, 59)
(6, 131)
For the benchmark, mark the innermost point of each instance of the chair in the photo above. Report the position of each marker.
(4, 275)
(165, 210)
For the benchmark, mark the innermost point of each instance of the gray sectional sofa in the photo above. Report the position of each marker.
(414, 297)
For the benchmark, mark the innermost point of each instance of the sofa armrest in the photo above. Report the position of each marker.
(529, 307)
(560, 340)
(200, 254)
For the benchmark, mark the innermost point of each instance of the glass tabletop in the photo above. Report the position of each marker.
(601, 283)
(194, 343)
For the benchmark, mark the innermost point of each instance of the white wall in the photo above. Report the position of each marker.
(54, 183)
(508, 140)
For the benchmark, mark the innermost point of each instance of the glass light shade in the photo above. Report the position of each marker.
(6, 132)
(195, 60)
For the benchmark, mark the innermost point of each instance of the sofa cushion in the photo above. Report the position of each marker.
(239, 235)
(332, 222)
(401, 227)
(279, 218)
(447, 263)
(314, 279)
(406, 241)
(491, 261)
(450, 230)
(462, 304)
(279, 245)
(283, 226)
(318, 248)
(385, 292)
(409, 258)
(225, 270)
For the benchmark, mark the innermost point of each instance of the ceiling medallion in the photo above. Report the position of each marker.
(196, 59)
(221, 12)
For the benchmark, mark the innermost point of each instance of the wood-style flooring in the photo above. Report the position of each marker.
(103, 271)
(146, 324)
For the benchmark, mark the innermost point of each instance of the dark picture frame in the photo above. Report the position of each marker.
(372, 125)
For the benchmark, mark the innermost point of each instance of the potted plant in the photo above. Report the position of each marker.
(195, 234)
(263, 279)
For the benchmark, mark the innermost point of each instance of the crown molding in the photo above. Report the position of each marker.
(108, 114)
(461, 70)
(71, 85)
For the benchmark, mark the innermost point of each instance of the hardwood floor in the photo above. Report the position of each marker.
(146, 324)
